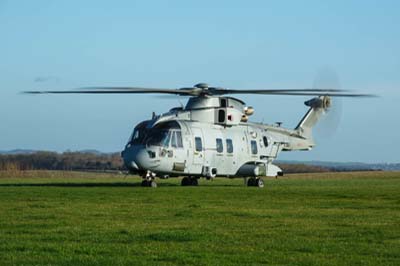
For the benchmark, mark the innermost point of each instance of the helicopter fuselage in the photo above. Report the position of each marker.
(210, 137)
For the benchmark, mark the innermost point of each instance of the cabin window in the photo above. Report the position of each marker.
(229, 146)
(221, 116)
(198, 144)
(223, 102)
(220, 146)
(265, 140)
(254, 147)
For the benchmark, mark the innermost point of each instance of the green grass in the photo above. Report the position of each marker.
(61, 218)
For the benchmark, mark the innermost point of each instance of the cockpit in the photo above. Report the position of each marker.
(166, 134)
(139, 134)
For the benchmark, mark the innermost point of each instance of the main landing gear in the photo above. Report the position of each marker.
(189, 181)
(255, 182)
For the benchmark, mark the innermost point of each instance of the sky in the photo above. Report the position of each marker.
(171, 44)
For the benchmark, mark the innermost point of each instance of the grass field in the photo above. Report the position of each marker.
(62, 218)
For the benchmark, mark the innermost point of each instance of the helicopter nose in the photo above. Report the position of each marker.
(140, 158)
(128, 156)
(146, 159)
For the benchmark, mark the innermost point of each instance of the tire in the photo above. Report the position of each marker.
(185, 181)
(152, 184)
(194, 181)
(251, 182)
(260, 183)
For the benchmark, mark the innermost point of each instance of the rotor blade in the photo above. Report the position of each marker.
(229, 91)
(305, 93)
(118, 90)
(211, 89)
(330, 94)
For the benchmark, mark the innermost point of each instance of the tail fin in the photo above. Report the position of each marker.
(318, 107)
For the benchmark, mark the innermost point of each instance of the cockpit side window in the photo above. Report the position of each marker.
(173, 140)
(165, 142)
(176, 140)
(179, 139)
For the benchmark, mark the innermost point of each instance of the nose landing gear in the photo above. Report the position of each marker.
(149, 179)
(149, 183)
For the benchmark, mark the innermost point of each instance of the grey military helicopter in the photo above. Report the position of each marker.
(212, 135)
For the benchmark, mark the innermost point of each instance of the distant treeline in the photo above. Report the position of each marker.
(61, 161)
(88, 161)
(302, 168)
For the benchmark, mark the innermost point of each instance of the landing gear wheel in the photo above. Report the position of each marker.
(259, 183)
(251, 182)
(149, 183)
(255, 182)
(189, 181)
(194, 181)
(185, 181)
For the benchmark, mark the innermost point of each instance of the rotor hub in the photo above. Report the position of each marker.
(203, 86)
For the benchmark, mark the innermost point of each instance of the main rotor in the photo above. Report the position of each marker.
(203, 89)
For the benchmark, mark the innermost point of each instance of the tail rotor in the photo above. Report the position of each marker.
(327, 78)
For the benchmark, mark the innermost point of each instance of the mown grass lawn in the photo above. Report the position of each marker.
(61, 218)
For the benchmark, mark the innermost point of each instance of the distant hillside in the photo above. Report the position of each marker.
(44, 160)
(289, 168)
(349, 166)
(24, 151)
(90, 159)
(18, 151)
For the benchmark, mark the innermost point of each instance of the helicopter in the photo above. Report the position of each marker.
(212, 136)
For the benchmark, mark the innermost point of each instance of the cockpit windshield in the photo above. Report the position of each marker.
(165, 135)
(139, 134)
(159, 138)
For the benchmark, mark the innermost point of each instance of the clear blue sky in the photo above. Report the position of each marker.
(236, 44)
